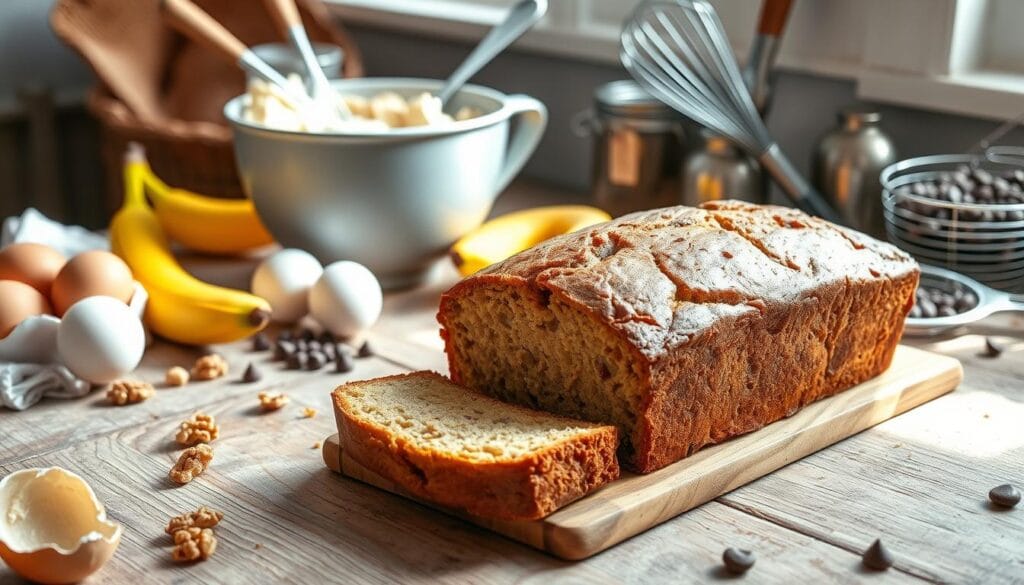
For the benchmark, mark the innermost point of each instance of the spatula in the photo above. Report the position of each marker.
(286, 14)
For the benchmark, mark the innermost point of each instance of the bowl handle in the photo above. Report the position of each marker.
(532, 119)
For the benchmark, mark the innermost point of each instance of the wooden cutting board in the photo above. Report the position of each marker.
(635, 503)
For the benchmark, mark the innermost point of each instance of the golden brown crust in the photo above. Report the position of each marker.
(737, 315)
(526, 488)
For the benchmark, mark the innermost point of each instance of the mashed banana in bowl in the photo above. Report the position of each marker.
(269, 106)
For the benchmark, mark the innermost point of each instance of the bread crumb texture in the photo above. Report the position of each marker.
(462, 449)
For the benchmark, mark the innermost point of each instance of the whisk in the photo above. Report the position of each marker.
(678, 52)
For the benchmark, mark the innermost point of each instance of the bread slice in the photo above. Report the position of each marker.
(460, 449)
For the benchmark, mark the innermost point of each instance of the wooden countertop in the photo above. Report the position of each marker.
(919, 481)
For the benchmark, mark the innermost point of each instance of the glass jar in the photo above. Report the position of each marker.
(639, 145)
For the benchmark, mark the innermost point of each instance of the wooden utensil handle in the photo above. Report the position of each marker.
(190, 20)
(774, 14)
(285, 14)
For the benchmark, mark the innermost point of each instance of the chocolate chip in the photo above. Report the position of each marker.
(302, 344)
(285, 335)
(343, 363)
(365, 350)
(877, 557)
(283, 349)
(308, 334)
(251, 374)
(330, 350)
(993, 348)
(327, 338)
(297, 360)
(738, 561)
(260, 342)
(1005, 495)
(313, 345)
(316, 360)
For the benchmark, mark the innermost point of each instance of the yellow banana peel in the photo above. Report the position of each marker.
(181, 308)
(512, 233)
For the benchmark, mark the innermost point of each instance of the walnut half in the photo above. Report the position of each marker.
(201, 428)
(124, 392)
(210, 367)
(202, 518)
(272, 400)
(193, 544)
(191, 463)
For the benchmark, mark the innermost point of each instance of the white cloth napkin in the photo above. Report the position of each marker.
(22, 385)
(33, 226)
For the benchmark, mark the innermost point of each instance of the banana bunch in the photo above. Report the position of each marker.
(201, 223)
(180, 307)
(510, 234)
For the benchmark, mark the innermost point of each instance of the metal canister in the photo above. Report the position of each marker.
(720, 170)
(639, 144)
(846, 166)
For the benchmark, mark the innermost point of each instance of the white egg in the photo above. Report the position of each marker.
(100, 339)
(346, 299)
(284, 280)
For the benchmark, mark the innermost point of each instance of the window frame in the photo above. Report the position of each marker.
(936, 64)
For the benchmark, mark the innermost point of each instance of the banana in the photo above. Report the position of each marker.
(180, 307)
(205, 224)
(510, 234)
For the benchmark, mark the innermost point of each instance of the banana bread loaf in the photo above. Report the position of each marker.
(454, 447)
(681, 326)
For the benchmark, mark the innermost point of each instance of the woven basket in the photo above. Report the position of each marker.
(162, 90)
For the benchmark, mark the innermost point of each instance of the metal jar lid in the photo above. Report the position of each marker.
(626, 99)
(856, 117)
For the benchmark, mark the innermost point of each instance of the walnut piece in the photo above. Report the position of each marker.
(201, 428)
(176, 376)
(192, 462)
(124, 392)
(308, 412)
(193, 544)
(272, 400)
(210, 367)
(202, 518)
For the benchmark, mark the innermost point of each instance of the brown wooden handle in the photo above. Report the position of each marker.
(774, 14)
(190, 20)
(284, 13)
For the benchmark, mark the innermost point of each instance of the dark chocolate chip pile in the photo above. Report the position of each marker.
(305, 350)
(1005, 496)
(930, 302)
(968, 185)
(738, 561)
(877, 557)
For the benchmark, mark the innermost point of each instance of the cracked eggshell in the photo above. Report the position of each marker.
(52, 527)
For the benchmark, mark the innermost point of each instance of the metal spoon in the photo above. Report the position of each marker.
(202, 28)
(327, 99)
(990, 301)
(519, 20)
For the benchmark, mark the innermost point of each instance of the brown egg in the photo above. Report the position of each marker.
(90, 274)
(18, 301)
(34, 264)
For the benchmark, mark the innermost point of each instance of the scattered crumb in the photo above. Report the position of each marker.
(191, 463)
(202, 518)
(201, 428)
(258, 546)
(308, 412)
(316, 445)
(193, 544)
(176, 376)
(210, 367)
(270, 401)
(124, 392)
